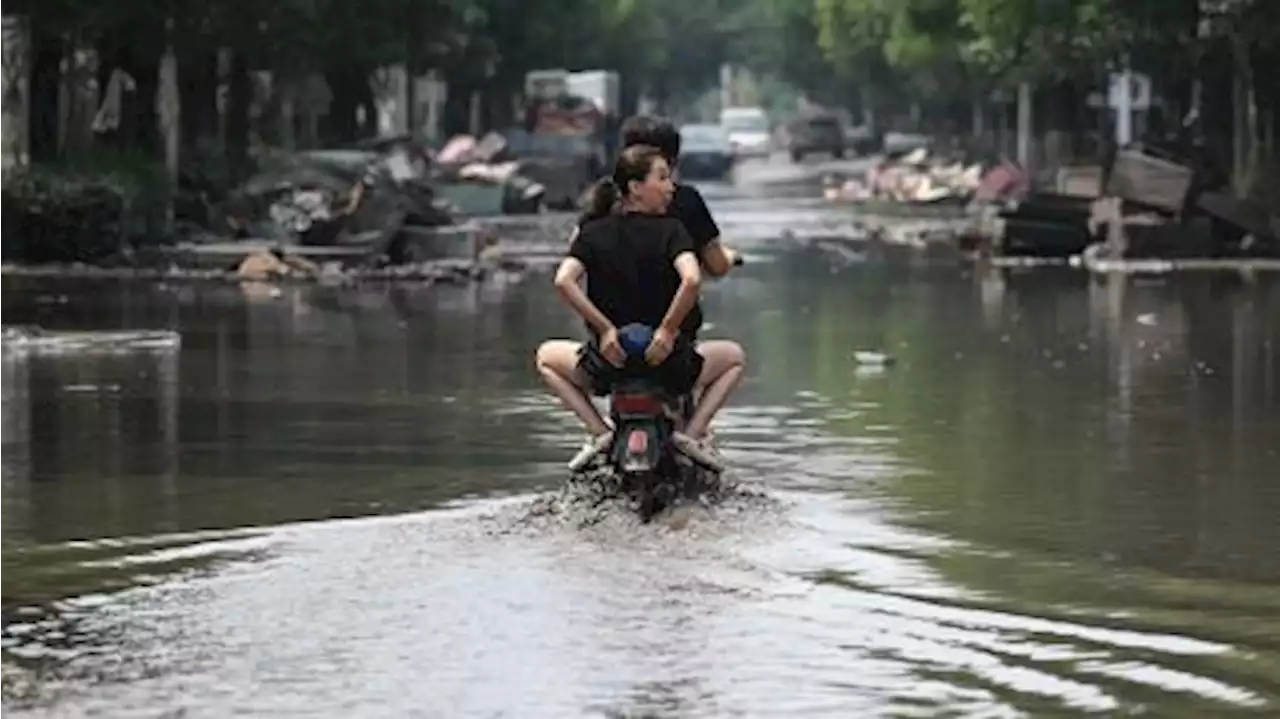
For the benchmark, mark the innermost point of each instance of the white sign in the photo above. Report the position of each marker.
(1138, 87)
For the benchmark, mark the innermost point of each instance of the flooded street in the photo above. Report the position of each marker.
(1061, 499)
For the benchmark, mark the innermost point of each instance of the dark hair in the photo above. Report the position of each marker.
(633, 165)
(654, 132)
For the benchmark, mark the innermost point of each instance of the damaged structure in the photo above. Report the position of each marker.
(1148, 202)
(1145, 202)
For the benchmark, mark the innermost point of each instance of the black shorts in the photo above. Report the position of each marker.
(677, 375)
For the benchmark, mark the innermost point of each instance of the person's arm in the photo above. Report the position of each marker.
(680, 252)
(687, 295)
(568, 284)
(716, 258)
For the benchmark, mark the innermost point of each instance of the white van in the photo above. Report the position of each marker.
(748, 130)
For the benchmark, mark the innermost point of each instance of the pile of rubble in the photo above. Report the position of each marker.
(466, 165)
(1152, 201)
(524, 172)
(365, 197)
(339, 197)
(917, 177)
(388, 206)
(384, 207)
(1159, 202)
(1146, 202)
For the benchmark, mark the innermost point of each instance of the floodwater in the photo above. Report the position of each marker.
(1062, 499)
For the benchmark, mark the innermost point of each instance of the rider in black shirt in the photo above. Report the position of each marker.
(686, 204)
(640, 266)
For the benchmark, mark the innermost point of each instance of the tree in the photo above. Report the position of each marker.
(780, 37)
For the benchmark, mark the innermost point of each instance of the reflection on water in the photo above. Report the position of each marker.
(1059, 500)
(14, 449)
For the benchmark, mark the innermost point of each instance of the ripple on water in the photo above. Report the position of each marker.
(795, 602)
(780, 604)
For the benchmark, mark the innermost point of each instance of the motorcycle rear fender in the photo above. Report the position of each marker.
(674, 408)
(626, 458)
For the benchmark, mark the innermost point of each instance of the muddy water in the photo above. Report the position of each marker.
(1061, 499)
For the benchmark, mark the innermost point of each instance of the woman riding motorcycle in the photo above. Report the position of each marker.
(641, 267)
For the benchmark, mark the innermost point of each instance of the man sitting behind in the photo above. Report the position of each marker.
(687, 204)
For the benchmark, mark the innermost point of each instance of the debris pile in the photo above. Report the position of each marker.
(385, 203)
(916, 177)
(1146, 202)
(1170, 202)
(482, 178)
(326, 197)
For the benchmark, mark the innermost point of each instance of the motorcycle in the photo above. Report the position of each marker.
(651, 470)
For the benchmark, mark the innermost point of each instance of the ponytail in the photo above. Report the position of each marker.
(601, 200)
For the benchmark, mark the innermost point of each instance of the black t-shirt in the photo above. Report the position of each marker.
(630, 261)
(688, 206)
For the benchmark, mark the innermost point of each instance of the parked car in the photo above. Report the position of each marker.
(705, 152)
(815, 134)
(748, 130)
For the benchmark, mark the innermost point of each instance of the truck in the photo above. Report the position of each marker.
(571, 121)
(598, 86)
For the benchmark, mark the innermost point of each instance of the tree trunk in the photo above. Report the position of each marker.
(369, 127)
(498, 105)
(47, 48)
(239, 99)
(199, 82)
(349, 88)
(457, 106)
(137, 53)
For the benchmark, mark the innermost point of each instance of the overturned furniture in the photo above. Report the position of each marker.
(1161, 206)
(1045, 224)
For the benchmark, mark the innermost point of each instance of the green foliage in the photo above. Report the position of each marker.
(52, 216)
(835, 50)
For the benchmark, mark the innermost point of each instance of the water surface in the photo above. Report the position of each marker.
(1060, 500)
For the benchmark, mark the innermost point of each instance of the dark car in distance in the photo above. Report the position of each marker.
(815, 134)
(705, 152)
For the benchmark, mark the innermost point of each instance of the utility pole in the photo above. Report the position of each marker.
(726, 86)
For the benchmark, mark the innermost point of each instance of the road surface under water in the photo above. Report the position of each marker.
(1061, 500)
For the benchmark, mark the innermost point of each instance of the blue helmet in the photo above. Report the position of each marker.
(635, 339)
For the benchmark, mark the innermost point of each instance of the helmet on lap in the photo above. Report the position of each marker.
(635, 339)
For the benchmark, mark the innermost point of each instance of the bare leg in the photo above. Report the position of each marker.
(722, 367)
(557, 362)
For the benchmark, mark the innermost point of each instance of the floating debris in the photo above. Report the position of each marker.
(40, 340)
(870, 358)
(86, 388)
